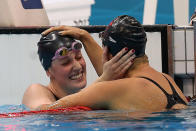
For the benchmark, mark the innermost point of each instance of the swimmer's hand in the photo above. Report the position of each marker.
(116, 67)
(75, 32)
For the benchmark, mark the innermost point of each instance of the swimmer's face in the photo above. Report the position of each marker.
(69, 72)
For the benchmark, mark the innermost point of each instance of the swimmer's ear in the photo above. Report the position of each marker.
(48, 72)
(110, 56)
(106, 55)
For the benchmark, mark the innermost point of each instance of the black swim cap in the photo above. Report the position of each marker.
(49, 44)
(125, 31)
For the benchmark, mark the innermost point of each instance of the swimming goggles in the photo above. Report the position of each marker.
(63, 51)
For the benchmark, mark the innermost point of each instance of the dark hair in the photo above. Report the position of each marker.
(49, 44)
(125, 31)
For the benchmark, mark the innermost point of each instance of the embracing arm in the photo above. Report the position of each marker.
(96, 96)
(94, 52)
(110, 95)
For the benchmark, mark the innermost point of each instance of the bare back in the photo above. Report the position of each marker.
(149, 91)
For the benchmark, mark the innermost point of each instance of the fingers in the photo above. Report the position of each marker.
(69, 32)
(125, 66)
(50, 30)
(74, 32)
(118, 65)
(56, 28)
(119, 55)
(119, 58)
(123, 63)
(125, 57)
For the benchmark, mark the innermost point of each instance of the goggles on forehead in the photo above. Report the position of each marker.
(63, 51)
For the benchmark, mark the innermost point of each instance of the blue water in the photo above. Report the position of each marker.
(179, 120)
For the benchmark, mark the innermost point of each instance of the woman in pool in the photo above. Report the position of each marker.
(65, 66)
(141, 89)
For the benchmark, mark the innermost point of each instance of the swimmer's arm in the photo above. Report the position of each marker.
(94, 52)
(97, 96)
(37, 95)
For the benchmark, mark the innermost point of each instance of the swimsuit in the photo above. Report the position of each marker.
(55, 97)
(171, 99)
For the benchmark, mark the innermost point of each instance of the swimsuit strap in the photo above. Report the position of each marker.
(155, 84)
(172, 99)
(175, 95)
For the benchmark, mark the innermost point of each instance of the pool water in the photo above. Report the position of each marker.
(103, 120)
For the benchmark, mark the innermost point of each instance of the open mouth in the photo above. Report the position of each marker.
(78, 76)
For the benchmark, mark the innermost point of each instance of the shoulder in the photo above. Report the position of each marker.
(36, 87)
(36, 95)
(172, 81)
(169, 78)
(132, 82)
(120, 84)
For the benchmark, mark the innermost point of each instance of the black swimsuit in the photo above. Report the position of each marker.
(171, 99)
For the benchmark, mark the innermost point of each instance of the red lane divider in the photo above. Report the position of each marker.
(67, 109)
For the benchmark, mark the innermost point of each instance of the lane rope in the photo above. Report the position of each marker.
(51, 111)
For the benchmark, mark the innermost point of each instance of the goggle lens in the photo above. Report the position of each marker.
(63, 51)
(76, 46)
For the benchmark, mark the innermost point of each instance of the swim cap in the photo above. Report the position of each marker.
(49, 46)
(124, 31)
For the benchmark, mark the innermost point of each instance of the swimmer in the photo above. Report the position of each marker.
(142, 88)
(64, 64)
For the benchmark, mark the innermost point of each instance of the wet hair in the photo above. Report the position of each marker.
(49, 44)
(125, 31)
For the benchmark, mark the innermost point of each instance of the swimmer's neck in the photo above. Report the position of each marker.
(57, 91)
(138, 70)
